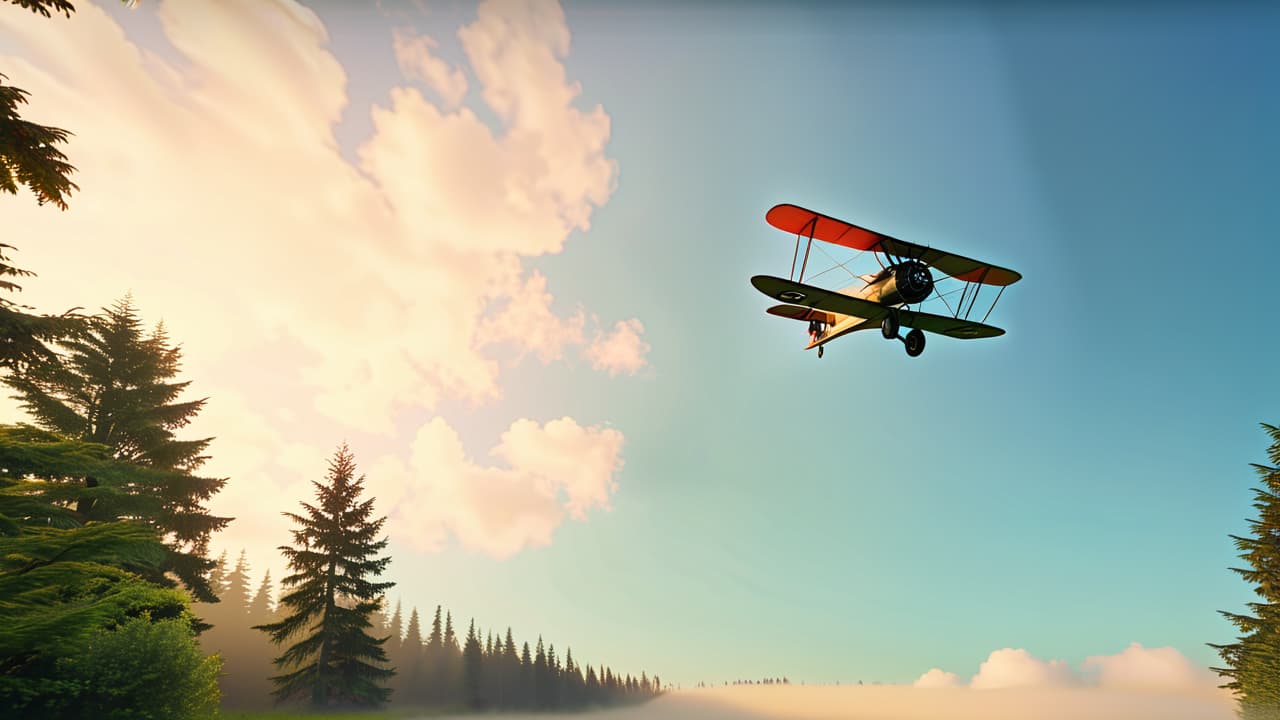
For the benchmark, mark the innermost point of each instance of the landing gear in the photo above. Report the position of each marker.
(889, 326)
(914, 342)
(820, 352)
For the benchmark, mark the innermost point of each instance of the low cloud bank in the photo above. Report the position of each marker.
(1134, 668)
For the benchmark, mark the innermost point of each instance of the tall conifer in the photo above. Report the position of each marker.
(1253, 661)
(331, 596)
(115, 385)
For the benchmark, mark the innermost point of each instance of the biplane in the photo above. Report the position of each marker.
(882, 299)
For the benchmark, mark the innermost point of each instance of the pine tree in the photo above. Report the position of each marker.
(451, 665)
(332, 596)
(26, 338)
(237, 592)
(1253, 661)
(260, 607)
(473, 668)
(114, 385)
(527, 689)
(61, 579)
(541, 692)
(510, 673)
(411, 672)
(433, 661)
(397, 631)
(591, 692)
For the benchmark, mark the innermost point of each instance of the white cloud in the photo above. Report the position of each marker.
(622, 350)
(528, 323)
(1018, 668)
(497, 509)
(937, 678)
(213, 187)
(417, 61)
(1139, 667)
(1134, 668)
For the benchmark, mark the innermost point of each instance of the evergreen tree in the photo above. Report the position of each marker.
(237, 591)
(451, 665)
(433, 661)
(410, 674)
(509, 690)
(473, 668)
(260, 607)
(541, 680)
(331, 597)
(553, 677)
(63, 581)
(27, 153)
(1253, 661)
(115, 386)
(26, 338)
(526, 678)
(397, 631)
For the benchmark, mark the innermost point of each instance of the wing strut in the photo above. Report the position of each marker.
(976, 290)
(993, 304)
(811, 226)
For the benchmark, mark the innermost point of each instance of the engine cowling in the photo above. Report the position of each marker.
(911, 282)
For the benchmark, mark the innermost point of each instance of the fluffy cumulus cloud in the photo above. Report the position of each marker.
(622, 349)
(1018, 668)
(415, 54)
(1139, 667)
(546, 471)
(351, 293)
(1135, 667)
(937, 678)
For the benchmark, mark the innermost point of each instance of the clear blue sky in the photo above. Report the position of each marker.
(1067, 488)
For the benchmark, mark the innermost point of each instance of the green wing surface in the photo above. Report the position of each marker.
(796, 312)
(795, 293)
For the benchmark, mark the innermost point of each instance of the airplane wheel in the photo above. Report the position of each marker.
(889, 326)
(819, 352)
(914, 342)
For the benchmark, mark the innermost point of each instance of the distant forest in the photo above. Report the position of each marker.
(437, 665)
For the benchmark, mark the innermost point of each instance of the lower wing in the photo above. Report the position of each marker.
(795, 293)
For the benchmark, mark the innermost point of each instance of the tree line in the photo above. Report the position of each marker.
(435, 666)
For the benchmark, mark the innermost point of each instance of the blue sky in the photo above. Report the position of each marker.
(1067, 488)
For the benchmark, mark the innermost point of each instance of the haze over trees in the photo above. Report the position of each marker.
(434, 671)
(1253, 661)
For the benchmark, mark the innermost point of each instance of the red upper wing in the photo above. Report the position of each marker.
(798, 220)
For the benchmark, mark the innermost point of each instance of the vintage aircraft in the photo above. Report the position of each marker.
(885, 297)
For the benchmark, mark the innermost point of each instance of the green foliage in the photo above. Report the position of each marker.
(58, 589)
(1253, 661)
(44, 6)
(114, 385)
(331, 597)
(144, 670)
(25, 338)
(27, 153)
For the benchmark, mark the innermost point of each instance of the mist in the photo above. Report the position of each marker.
(896, 702)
